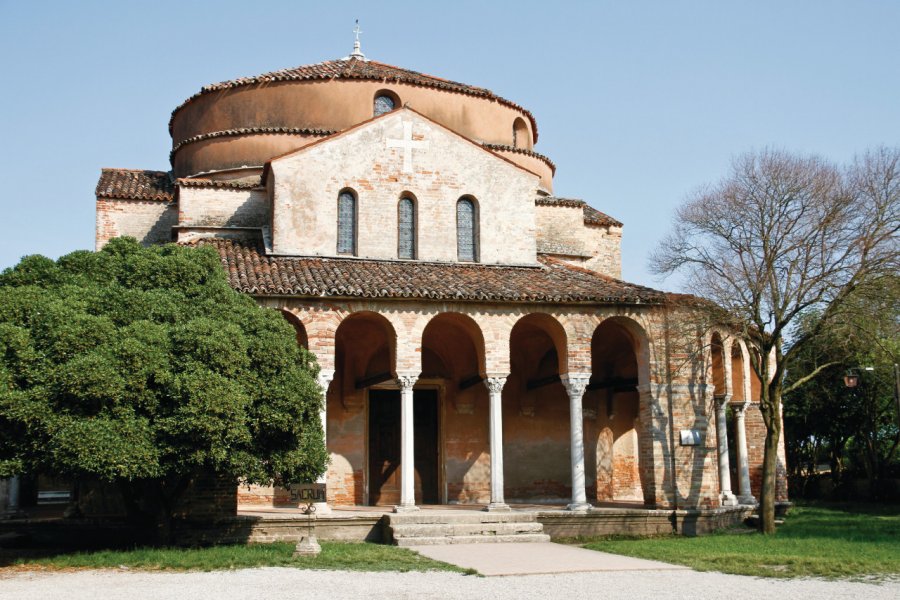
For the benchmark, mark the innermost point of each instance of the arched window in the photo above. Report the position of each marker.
(406, 228)
(385, 102)
(520, 134)
(466, 230)
(346, 225)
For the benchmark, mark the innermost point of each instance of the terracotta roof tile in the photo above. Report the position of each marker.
(595, 217)
(246, 183)
(525, 151)
(132, 184)
(592, 216)
(358, 69)
(250, 270)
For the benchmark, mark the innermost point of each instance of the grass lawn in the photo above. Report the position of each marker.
(816, 540)
(335, 555)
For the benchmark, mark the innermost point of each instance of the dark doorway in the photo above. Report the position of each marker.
(384, 446)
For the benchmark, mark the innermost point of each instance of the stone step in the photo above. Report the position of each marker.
(471, 539)
(425, 518)
(463, 529)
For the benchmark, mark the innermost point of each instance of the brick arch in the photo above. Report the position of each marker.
(465, 324)
(299, 328)
(553, 329)
(640, 343)
(381, 323)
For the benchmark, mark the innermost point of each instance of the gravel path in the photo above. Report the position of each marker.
(284, 583)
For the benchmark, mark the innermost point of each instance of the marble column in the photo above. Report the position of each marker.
(575, 385)
(407, 453)
(745, 496)
(324, 379)
(726, 497)
(495, 385)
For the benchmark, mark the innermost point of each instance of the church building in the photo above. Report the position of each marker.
(476, 341)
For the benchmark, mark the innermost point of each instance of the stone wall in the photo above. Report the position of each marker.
(561, 231)
(222, 207)
(149, 221)
(441, 169)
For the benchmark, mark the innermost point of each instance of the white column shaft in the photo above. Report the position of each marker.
(495, 388)
(727, 497)
(746, 496)
(13, 494)
(407, 439)
(575, 386)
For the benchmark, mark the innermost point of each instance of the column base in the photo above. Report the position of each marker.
(406, 508)
(307, 546)
(13, 514)
(747, 500)
(728, 499)
(579, 507)
(498, 507)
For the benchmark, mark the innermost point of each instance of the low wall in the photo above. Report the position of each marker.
(640, 523)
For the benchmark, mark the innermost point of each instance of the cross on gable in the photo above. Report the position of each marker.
(408, 145)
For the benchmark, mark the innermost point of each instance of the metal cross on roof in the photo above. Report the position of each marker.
(357, 53)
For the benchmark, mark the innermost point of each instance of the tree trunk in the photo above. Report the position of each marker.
(770, 406)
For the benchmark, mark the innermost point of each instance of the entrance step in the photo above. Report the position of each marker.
(428, 529)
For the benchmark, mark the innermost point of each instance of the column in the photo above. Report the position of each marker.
(495, 385)
(575, 385)
(745, 495)
(407, 454)
(324, 379)
(726, 497)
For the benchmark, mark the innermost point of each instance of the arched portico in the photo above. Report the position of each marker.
(535, 412)
(613, 427)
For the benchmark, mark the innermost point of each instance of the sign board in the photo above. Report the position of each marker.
(307, 493)
(691, 437)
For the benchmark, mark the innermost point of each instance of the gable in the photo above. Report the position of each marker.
(402, 153)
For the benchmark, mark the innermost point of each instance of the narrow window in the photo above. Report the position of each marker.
(520, 134)
(384, 104)
(466, 243)
(406, 228)
(346, 238)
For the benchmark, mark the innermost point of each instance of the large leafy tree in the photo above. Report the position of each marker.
(824, 419)
(778, 237)
(142, 367)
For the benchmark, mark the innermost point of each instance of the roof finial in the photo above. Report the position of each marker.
(357, 53)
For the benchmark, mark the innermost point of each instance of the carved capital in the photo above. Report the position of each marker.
(740, 409)
(723, 400)
(406, 381)
(576, 383)
(495, 383)
(324, 379)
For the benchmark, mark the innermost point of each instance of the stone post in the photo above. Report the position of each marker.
(745, 495)
(575, 386)
(407, 453)
(325, 378)
(9, 502)
(495, 385)
(726, 497)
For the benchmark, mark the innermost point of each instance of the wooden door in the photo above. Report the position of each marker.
(384, 447)
(425, 426)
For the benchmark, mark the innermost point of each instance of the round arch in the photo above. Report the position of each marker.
(542, 324)
(447, 339)
(299, 328)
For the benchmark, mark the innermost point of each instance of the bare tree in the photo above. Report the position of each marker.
(779, 236)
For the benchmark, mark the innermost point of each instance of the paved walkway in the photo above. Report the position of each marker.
(537, 559)
(287, 583)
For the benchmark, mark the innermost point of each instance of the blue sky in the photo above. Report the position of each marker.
(637, 102)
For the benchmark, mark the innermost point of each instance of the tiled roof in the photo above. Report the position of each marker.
(525, 151)
(592, 216)
(247, 183)
(358, 69)
(595, 217)
(250, 270)
(132, 184)
(250, 131)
